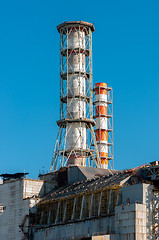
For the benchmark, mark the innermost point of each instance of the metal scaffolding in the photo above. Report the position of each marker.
(76, 143)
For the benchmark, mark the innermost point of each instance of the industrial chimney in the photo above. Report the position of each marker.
(104, 123)
(76, 143)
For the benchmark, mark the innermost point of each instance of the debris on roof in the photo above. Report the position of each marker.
(7, 176)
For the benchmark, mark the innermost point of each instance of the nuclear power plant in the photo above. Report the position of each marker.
(82, 196)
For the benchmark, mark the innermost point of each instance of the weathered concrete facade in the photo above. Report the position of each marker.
(132, 220)
(112, 206)
(17, 197)
(78, 230)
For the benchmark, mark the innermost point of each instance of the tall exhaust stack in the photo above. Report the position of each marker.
(104, 123)
(76, 143)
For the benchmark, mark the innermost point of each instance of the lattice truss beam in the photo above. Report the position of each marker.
(152, 172)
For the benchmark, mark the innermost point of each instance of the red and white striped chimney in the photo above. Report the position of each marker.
(101, 103)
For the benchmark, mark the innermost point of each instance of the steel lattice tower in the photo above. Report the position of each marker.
(76, 143)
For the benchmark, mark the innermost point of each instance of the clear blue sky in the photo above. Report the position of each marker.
(125, 55)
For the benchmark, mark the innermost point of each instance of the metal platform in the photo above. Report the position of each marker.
(63, 122)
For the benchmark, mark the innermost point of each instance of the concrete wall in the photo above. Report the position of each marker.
(77, 230)
(143, 194)
(14, 195)
(50, 182)
(74, 174)
(11, 195)
(32, 188)
(137, 193)
(130, 222)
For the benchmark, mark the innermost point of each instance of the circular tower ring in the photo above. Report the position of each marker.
(78, 23)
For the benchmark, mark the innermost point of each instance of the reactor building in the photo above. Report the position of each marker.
(82, 197)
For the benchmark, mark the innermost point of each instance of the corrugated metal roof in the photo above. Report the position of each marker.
(83, 187)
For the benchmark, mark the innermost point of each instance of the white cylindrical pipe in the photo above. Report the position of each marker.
(76, 105)
(101, 122)
(76, 38)
(101, 97)
(102, 147)
(76, 85)
(103, 153)
(76, 108)
(74, 139)
(76, 62)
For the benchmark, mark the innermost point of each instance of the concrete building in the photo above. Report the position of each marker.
(80, 202)
(92, 203)
(17, 197)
